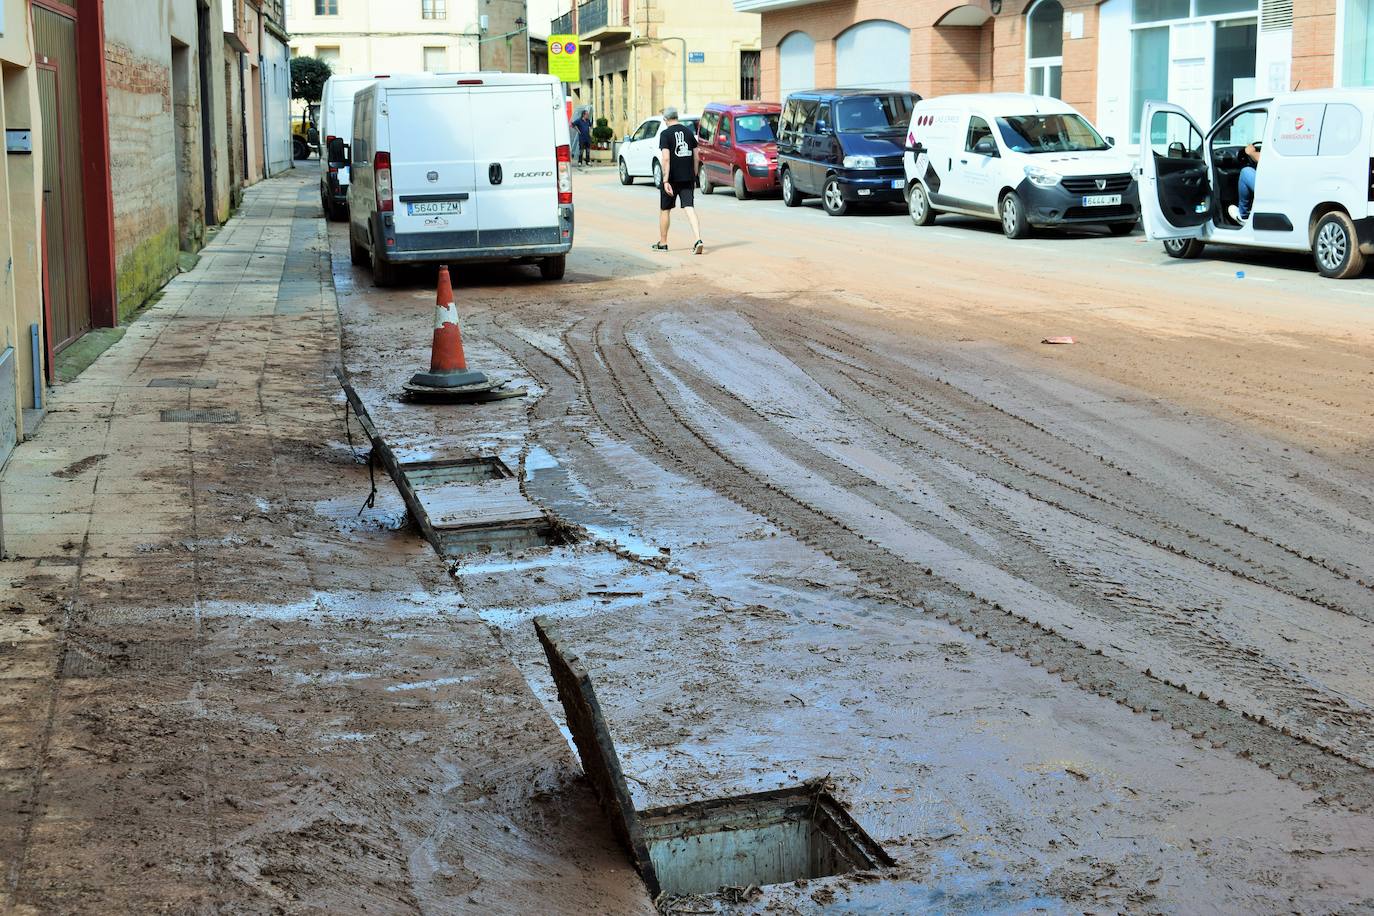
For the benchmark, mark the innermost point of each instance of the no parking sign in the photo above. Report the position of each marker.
(565, 58)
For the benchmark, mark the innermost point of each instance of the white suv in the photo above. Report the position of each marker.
(1312, 185)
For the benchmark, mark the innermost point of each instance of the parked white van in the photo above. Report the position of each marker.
(460, 167)
(336, 128)
(1026, 160)
(1313, 187)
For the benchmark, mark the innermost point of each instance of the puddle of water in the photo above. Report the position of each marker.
(538, 459)
(431, 684)
(626, 539)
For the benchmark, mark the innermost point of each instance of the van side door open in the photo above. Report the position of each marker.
(1176, 187)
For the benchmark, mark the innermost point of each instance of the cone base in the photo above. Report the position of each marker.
(465, 379)
(473, 394)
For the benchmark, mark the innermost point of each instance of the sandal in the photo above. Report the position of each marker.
(659, 246)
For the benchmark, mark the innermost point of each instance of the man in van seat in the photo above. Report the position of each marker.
(677, 157)
(1246, 186)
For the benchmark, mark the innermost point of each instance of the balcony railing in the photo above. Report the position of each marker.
(591, 16)
(563, 25)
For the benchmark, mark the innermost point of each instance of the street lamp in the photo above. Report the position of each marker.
(684, 69)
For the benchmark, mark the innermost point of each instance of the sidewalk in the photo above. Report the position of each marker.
(219, 688)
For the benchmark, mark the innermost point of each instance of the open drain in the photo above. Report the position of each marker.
(199, 415)
(701, 847)
(463, 505)
(184, 383)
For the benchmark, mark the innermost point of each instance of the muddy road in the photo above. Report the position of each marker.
(1071, 627)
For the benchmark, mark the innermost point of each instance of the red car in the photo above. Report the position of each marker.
(739, 147)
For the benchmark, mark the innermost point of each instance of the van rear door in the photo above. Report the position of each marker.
(516, 165)
(431, 136)
(1176, 188)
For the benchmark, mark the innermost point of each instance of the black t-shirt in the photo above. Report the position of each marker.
(679, 142)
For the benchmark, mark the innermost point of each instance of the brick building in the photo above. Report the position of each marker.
(1106, 58)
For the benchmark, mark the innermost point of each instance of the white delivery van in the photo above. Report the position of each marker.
(1025, 160)
(460, 167)
(639, 151)
(1313, 187)
(336, 127)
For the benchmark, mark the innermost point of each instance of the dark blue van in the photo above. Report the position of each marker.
(844, 146)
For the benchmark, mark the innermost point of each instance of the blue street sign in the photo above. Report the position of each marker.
(696, 57)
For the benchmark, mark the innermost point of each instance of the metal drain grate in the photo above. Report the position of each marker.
(199, 415)
(98, 658)
(184, 383)
(462, 470)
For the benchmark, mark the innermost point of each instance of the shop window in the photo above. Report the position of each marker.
(1149, 72)
(1357, 50)
(1045, 49)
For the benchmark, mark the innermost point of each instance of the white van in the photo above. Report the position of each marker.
(336, 129)
(460, 167)
(1312, 185)
(1026, 160)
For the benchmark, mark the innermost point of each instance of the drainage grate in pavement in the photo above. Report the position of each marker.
(700, 847)
(98, 658)
(184, 383)
(199, 415)
(474, 505)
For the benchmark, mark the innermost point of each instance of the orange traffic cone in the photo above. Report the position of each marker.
(448, 365)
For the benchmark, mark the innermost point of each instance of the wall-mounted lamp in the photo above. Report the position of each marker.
(996, 7)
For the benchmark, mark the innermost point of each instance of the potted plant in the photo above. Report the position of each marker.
(601, 138)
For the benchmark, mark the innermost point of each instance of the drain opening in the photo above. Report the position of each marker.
(184, 383)
(701, 847)
(462, 470)
(182, 415)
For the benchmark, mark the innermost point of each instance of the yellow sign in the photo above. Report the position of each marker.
(565, 58)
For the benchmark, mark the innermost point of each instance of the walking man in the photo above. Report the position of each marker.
(678, 160)
(584, 136)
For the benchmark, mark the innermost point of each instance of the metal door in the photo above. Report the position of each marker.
(64, 217)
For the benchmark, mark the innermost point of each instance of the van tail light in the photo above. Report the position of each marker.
(564, 154)
(381, 172)
(329, 139)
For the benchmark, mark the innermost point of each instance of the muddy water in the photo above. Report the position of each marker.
(1075, 632)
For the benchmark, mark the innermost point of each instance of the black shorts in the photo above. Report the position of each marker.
(685, 193)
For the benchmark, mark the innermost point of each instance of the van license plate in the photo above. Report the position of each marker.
(431, 207)
(1102, 200)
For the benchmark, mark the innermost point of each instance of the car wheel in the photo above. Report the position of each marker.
(625, 176)
(703, 182)
(383, 273)
(918, 205)
(1336, 247)
(658, 174)
(553, 268)
(790, 197)
(1121, 228)
(300, 149)
(1187, 249)
(1014, 224)
(741, 191)
(832, 197)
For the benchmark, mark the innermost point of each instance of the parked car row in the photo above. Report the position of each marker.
(1032, 161)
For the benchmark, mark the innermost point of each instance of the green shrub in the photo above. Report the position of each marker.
(602, 132)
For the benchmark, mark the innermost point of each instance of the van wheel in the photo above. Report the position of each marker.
(1336, 248)
(832, 197)
(625, 176)
(356, 253)
(383, 273)
(299, 149)
(1121, 228)
(790, 197)
(553, 268)
(658, 174)
(1187, 249)
(918, 205)
(741, 192)
(703, 182)
(1014, 224)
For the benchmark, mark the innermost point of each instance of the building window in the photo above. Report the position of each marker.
(329, 55)
(1356, 48)
(433, 9)
(1045, 48)
(326, 7)
(749, 75)
(1198, 54)
(625, 94)
(436, 60)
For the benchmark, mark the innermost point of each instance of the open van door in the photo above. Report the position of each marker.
(1176, 186)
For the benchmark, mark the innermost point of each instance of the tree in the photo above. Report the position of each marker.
(308, 76)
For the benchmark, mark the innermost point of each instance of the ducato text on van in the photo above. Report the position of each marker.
(460, 167)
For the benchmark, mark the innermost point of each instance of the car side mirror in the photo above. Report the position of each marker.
(1111, 141)
(986, 147)
(822, 127)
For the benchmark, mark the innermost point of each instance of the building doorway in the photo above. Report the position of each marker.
(68, 293)
(1045, 49)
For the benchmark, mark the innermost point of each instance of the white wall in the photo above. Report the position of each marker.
(276, 75)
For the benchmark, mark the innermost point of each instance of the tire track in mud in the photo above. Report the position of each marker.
(620, 391)
(1274, 687)
(1137, 518)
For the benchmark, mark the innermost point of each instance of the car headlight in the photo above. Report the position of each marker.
(859, 162)
(1042, 178)
(756, 159)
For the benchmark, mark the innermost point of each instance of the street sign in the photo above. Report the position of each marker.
(565, 58)
(696, 57)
